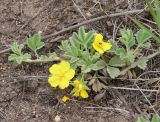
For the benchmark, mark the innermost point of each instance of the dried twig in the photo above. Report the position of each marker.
(79, 10)
(133, 89)
(146, 99)
(84, 23)
(122, 111)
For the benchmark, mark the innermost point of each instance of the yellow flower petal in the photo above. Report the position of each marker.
(99, 45)
(53, 81)
(84, 94)
(76, 93)
(65, 98)
(55, 69)
(64, 66)
(69, 74)
(106, 46)
(99, 37)
(63, 83)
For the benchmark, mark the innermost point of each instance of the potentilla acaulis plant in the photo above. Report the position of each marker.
(84, 55)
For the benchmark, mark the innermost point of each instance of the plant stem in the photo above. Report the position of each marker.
(42, 61)
(36, 54)
(136, 49)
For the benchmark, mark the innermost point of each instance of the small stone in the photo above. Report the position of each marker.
(57, 118)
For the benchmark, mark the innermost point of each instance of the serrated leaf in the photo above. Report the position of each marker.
(12, 57)
(95, 57)
(117, 62)
(19, 59)
(81, 34)
(75, 41)
(130, 56)
(43, 57)
(143, 36)
(35, 43)
(17, 49)
(121, 52)
(89, 38)
(26, 56)
(52, 56)
(95, 67)
(114, 46)
(142, 63)
(156, 118)
(141, 119)
(127, 37)
(113, 72)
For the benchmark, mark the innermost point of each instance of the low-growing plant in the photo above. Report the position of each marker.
(85, 52)
(34, 44)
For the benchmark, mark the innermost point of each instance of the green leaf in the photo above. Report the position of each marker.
(143, 36)
(121, 52)
(12, 57)
(75, 41)
(114, 46)
(81, 34)
(142, 63)
(141, 119)
(127, 37)
(89, 38)
(113, 72)
(52, 56)
(95, 57)
(117, 62)
(17, 49)
(19, 58)
(94, 67)
(69, 51)
(130, 56)
(156, 118)
(35, 43)
(26, 56)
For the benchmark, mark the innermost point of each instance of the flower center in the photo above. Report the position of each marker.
(61, 75)
(100, 43)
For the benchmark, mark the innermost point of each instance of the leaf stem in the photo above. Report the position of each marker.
(42, 61)
(36, 54)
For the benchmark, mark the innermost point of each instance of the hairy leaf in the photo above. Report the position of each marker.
(35, 43)
(142, 63)
(17, 49)
(117, 62)
(143, 36)
(113, 72)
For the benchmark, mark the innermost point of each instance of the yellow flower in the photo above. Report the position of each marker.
(65, 98)
(99, 45)
(61, 74)
(79, 89)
